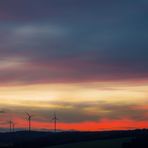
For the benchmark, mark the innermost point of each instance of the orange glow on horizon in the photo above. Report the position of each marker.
(104, 125)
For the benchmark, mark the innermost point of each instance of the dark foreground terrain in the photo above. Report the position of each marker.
(110, 139)
(106, 143)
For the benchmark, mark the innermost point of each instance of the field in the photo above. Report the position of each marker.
(104, 139)
(114, 143)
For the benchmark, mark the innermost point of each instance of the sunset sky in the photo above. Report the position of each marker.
(86, 60)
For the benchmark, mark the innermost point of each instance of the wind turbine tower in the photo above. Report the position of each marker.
(29, 117)
(10, 125)
(13, 126)
(54, 119)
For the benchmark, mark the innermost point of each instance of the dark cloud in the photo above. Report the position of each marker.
(68, 112)
(2, 112)
(72, 41)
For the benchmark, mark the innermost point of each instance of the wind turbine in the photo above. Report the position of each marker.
(13, 126)
(54, 119)
(10, 125)
(29, 121)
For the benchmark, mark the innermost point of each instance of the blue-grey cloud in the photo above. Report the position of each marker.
(73, 40)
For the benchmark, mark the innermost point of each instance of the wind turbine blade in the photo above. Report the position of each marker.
(27, 114)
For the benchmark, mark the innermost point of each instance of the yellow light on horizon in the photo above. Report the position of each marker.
(35, 94)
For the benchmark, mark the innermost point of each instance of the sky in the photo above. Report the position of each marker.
(86, 60)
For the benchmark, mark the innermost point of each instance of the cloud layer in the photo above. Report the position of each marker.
(73, 41)
(68, 112)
